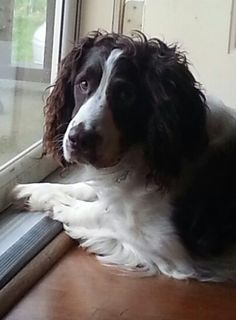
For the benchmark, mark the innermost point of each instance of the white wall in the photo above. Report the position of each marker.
(202, 27)
(96, 14)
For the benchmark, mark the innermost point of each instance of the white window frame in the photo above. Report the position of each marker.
(28, 166)
(232, 37)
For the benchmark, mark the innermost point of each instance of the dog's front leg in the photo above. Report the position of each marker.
(82, 213)
(42, 196)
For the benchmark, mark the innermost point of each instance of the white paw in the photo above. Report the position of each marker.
(40, 197)
(61, 212)
(76, 232)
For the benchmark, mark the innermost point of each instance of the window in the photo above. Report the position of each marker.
(26, 52)
(32, 42)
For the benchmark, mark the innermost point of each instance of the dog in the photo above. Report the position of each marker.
(160, 189)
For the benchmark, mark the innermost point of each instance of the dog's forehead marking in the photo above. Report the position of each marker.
(112, 58)
(107, 70)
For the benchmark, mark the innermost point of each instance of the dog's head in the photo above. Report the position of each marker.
(114, 92)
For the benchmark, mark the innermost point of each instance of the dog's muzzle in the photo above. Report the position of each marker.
(82, 143)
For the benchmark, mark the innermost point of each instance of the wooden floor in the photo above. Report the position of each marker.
(79, 288)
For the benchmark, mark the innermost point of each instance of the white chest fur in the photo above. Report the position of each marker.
(138, 218)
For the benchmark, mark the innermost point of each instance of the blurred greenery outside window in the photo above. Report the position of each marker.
(29, 15)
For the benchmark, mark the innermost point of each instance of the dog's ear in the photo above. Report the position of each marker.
(60, 103)
(177, 125)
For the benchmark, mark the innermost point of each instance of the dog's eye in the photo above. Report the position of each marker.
(126, 95)
(84, 86)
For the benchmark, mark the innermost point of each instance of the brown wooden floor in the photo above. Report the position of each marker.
(79, 288)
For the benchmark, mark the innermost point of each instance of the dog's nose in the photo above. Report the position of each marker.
(83, 139)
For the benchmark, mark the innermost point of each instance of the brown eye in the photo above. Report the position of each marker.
(126, 94)
(83, 85)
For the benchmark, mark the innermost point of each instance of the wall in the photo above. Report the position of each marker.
(203, 29)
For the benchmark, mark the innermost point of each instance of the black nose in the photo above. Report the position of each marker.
(83, 139)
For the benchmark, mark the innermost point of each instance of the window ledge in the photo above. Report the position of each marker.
(25, 279)
(30, 244)
(23, 250)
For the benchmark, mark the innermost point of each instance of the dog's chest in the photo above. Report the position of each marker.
(134, 208)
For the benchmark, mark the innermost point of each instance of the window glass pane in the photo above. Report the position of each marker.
(26, 32)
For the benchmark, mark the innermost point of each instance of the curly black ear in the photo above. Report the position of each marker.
(60, 103)
(177, 126)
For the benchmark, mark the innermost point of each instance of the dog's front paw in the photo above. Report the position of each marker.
(21, 195)
(60, 213)
(39, 197)
(76, 232)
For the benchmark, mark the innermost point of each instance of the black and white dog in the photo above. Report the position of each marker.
(160, 194)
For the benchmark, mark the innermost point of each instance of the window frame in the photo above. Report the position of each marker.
(232, 33)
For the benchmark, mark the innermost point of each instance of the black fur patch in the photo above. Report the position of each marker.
(205, 217)
(156, 102)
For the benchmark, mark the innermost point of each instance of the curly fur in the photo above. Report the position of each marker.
(60, 103)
